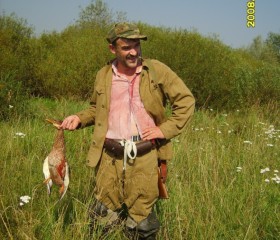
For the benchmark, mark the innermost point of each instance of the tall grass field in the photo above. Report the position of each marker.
(223, 182)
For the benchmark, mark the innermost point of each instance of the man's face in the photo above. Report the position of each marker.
(127, 52)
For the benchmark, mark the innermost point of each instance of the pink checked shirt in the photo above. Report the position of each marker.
(127, 116)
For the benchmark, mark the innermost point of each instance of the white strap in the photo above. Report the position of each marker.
(130, 151)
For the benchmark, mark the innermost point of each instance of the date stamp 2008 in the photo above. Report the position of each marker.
(251, 14)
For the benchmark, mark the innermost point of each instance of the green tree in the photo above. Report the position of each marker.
(98, 12)
(261, 50)
(273, 41)
(16, 63)
(14, 35)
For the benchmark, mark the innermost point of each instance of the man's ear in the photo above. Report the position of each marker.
(112, 48)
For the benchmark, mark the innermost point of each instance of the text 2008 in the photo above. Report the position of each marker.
(251, 14)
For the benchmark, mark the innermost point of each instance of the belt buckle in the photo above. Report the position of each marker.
(135, 138)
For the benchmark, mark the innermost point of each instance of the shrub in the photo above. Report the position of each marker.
(68, 69)
(63, 65)
(13, 97)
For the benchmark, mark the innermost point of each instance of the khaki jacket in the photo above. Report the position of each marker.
(155, 93)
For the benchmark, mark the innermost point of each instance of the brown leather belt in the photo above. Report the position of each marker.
(113, 146)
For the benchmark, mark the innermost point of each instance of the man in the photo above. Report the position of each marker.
(132, 133)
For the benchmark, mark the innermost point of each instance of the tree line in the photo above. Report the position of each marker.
(63, 64)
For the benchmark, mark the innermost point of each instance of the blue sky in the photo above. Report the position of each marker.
(223, 18)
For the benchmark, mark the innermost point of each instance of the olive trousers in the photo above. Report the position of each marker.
(136, 186)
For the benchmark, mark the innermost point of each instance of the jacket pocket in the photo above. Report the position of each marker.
(100, 97)
(100, 90)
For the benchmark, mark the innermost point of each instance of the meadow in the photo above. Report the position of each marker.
(224, 180)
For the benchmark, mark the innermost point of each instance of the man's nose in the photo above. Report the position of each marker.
(133, 52)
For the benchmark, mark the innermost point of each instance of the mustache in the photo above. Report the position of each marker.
(134, 56)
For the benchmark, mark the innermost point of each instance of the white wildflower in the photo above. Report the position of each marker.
(267, 180)
(10, 106)
(20, 134)
(269, 145)
(276, 178)
(24, 199)
(247, 142)
(265, 170)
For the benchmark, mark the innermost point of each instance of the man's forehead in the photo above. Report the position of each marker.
(125, 41)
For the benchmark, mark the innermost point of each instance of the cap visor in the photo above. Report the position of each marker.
(142, 37)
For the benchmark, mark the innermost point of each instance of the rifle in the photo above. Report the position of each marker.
(162, 172)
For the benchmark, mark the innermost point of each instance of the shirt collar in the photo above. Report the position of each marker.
(115, 69)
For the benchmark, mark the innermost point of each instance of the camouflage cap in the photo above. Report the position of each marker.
(124, 30)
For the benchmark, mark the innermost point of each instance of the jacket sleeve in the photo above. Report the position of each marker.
(181, 100)
(87, 116)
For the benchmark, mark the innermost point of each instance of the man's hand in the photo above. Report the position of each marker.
(152, 133)
(70, 123)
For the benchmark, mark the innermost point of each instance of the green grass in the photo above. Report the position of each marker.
(209, 197)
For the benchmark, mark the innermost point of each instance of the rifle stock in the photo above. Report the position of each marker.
(163, 194)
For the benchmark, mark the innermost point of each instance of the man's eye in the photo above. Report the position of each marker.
(125, 48)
